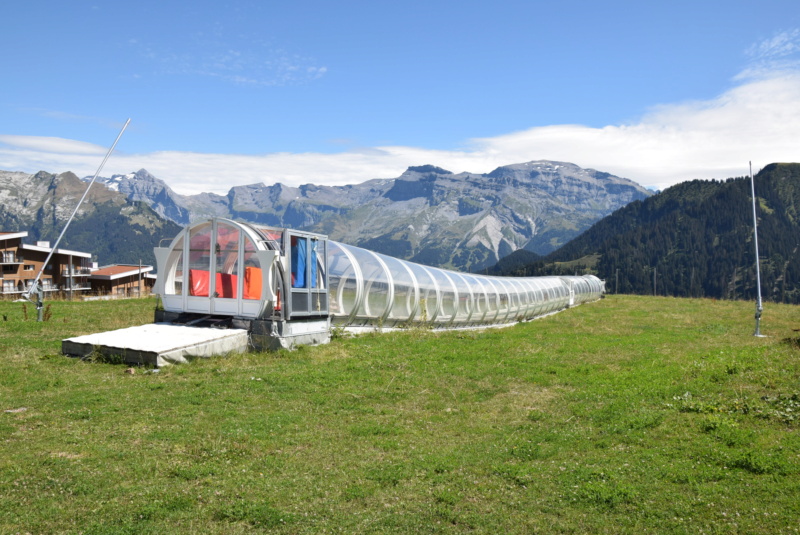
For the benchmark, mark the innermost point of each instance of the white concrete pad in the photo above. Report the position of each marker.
(159, 343)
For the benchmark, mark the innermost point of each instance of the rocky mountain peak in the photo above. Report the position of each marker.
(427, 170)
(427, 214)
(143, 186)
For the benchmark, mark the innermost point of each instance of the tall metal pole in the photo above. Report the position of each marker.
(759, 308)
(35, 287)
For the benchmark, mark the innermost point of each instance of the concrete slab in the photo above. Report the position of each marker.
(158, 344)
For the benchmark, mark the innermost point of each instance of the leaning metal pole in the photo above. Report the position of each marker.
(36, 288)
(759, 308)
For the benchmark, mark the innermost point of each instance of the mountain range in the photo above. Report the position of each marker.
(465, 221)
(108, 225)
(694, 239)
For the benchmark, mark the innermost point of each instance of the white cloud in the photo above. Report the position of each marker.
(247, 60)
(778, 54)
(56, 145)
(757, 120)
(779, 45)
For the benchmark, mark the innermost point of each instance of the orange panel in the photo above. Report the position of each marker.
(226, 285)
(252, 283)
(198, 282)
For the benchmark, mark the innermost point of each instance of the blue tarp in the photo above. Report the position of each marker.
(300, 258)
(299, 262)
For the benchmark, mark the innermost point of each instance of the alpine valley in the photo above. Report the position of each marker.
(538, 218)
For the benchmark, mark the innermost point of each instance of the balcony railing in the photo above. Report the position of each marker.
(67, 288)
(9, 291)
(47, 286)
(78, 272)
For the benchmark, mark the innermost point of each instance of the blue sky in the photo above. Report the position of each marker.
(229, 93)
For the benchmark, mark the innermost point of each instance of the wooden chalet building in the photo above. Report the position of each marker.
(67, 271)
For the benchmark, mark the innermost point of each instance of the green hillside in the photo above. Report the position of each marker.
(697, 239)
(627, 415)
(113, 234)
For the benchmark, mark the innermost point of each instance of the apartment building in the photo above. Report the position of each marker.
(66, 271)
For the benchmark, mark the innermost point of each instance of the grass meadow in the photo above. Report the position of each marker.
(627, 415)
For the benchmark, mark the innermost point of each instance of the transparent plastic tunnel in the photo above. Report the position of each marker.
(225, 267)
(371, 289)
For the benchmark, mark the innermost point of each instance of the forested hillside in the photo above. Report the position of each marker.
(112, 234)
(694, 239)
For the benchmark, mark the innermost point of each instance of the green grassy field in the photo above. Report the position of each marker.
(628, 415)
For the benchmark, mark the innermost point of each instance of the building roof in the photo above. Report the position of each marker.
(117, 271)
(57, 251)
(12, 235)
